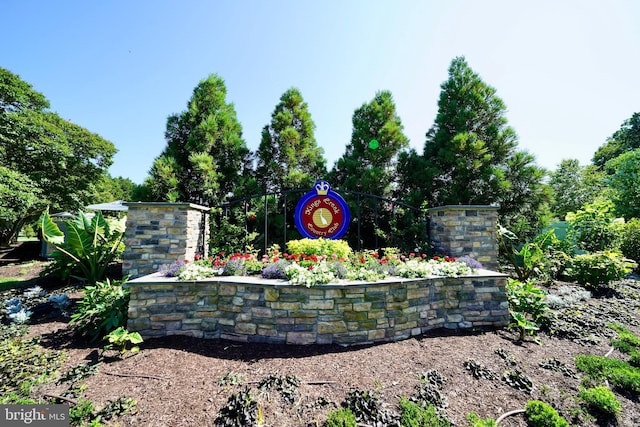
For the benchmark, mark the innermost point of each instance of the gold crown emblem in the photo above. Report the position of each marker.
(322, 188)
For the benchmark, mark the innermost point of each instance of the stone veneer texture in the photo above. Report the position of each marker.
(466, 230)
(248, 309)
(163, 233)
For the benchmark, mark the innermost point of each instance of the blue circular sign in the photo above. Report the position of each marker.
(322, 213)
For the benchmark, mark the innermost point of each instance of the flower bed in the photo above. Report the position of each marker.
(200, 301)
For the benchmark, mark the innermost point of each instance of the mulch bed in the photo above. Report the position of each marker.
(176, 381)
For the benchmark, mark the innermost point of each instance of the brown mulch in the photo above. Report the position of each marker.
(175, 380)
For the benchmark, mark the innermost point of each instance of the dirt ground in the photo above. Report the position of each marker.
(176, 381)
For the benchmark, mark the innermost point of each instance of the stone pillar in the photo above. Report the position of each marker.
(466, 230)
(163, 233)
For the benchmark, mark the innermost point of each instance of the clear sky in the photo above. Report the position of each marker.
(567, 70)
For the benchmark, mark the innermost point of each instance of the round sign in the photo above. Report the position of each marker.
(322, 213)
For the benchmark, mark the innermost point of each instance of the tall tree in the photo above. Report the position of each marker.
(470, 141)
(472, 152)
(627, 138)
(288, 156)
(624, 182)
(368, 164)
(59, 160)
(573, 186)
(206, 158)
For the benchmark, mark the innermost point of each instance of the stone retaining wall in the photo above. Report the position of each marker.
(250, 309)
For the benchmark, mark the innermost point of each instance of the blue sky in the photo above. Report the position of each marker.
(567, 70)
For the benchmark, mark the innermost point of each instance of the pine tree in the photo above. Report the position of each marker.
(205, 159)
(288, 156)
(368, 164)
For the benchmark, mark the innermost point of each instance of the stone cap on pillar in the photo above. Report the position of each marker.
(167, 205)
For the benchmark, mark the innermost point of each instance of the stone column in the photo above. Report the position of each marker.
(466, 230)
(163, 233)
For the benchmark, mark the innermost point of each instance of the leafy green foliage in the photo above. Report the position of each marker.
(540, 414)
(574, 186)
(78, 373)
(81, 412)
(342, 417)
(327, 247)
(416, 415)
(230, 232)
(627, 343)
(470, 153)
(596, 270)
(601, 401)
(25, 361)
(362, 168)
(630, 240)
(530, 258)
(619, 374)
(475, 421)
(241, 410)
(288, 155)
(623, 181)
(368, 408)
(121, 406)
(625, 139)
(205, 158)
(594, 227)
(88, 244)
(527, 306)
(478, 370)
(287, 385)
(121, 339)
(45, 160)
(103, 308)
(518, 380)
(429, 390)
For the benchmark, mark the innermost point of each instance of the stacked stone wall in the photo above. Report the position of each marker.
(163, 233)
(252, 310)
(466, 230)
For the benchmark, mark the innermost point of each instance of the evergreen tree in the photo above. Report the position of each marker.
(206, 158)
(469, 143)
(573, 186)
(472, 154)
(288, 156)
(368, 164)
(625, 139)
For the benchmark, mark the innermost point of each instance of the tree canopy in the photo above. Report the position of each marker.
(44, 159)
(470, 155)
(288, 155)
(368, 164)
(627, 138)
(573, 186)
(206, 158)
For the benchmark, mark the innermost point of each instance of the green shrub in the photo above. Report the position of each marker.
(415, 415)
(102, 309)
(630, 240)
(88, 245)
(540, 414)
(527, 306)
(619, 374)
(325, 247)
(342, 417)
(594, 228)
(596, 270)
(368, 408)
(601, 401)
(475, 421)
